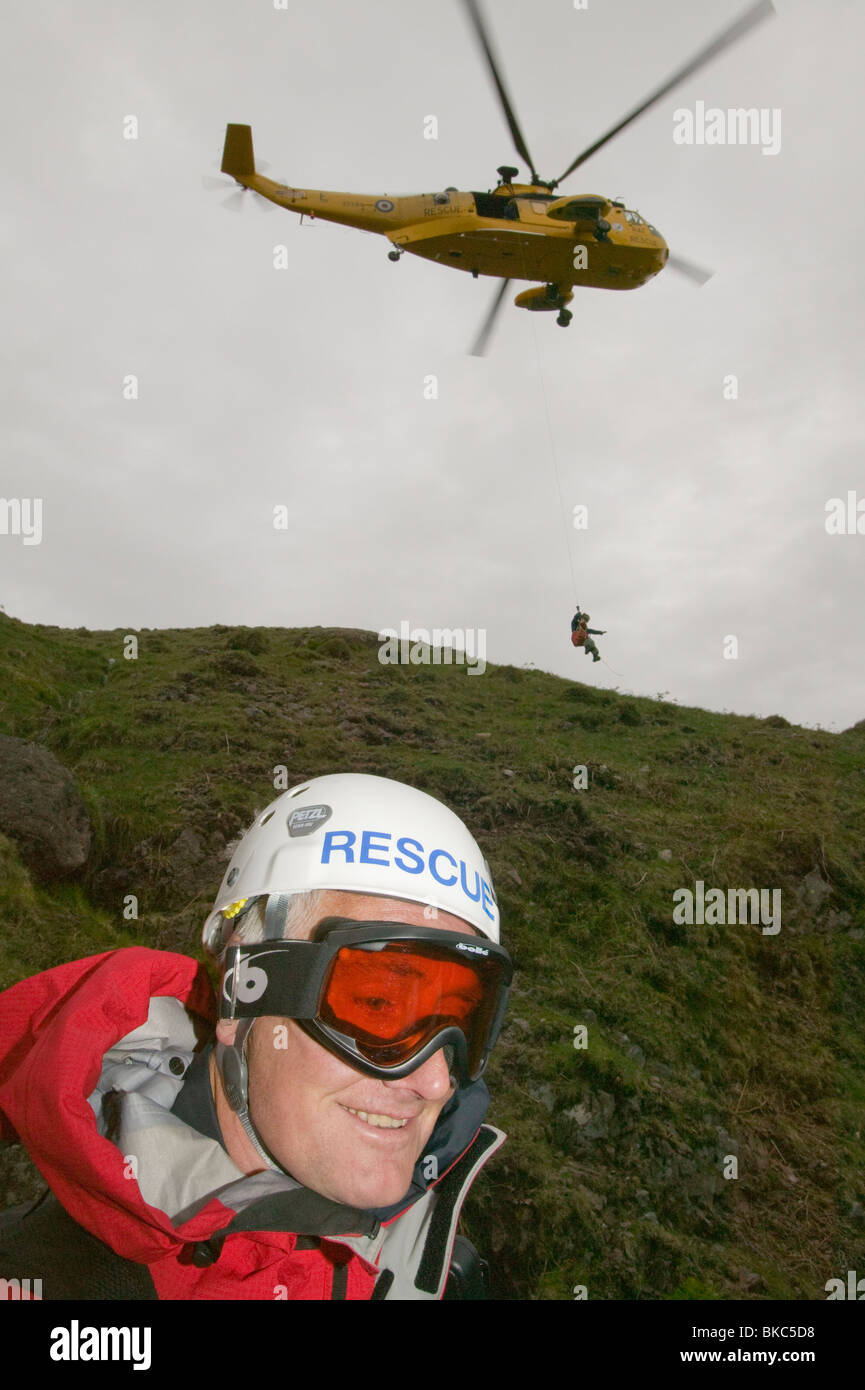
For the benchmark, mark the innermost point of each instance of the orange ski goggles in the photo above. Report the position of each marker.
(383, 996)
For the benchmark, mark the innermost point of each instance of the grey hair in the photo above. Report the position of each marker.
(303, 908)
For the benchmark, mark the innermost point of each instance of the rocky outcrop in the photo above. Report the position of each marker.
(41, 809)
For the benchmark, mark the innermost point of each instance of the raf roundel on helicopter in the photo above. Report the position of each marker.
(515, 231)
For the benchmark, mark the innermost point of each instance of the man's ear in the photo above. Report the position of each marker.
(226, 1029)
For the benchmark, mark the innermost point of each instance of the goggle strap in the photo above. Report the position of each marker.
(278, 978)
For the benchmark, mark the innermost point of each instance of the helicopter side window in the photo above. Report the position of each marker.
(512, 212)
(488, 205)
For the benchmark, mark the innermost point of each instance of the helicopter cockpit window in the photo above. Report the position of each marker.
(634, 217)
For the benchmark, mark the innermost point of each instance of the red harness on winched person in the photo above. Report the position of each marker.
(582, 634)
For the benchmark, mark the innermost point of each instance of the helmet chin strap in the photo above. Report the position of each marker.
(231, 1061)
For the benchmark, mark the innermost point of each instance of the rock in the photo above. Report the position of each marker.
(638, 1055)
(193, 865)
(112, 884)
(665, 854)
(544, 1095)
(512, 873)
(187, 846)
(42, 810)
(813, 889)
(594, 1115)
(836, 920)
(506, 772)
(726, 1142)
(521, 1023)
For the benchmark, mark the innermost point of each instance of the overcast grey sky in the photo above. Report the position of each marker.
(305, 386)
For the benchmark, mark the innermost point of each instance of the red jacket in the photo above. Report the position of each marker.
(96, 1046)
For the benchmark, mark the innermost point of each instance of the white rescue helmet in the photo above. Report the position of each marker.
(359, 834)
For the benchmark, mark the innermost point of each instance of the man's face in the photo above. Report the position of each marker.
(319, 1116)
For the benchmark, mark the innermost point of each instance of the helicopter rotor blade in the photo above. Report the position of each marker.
(747, 21)
(690, 269)
(479, 346)
(473, 9)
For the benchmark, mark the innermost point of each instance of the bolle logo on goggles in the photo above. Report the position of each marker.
(244, 982)
(475, 950)
(308, 818)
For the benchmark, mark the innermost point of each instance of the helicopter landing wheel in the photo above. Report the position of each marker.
(394, 255)
(564, 317)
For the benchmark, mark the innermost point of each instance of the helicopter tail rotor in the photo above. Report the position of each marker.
(238, 161)
(236, 200)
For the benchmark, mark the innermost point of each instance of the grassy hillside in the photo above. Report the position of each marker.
(703, 1041)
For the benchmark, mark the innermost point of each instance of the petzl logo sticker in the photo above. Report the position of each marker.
(308, 818)
(384, 205)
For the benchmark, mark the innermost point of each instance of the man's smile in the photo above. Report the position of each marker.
(376, 1119)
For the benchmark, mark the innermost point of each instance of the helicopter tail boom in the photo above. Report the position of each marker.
(238, 159)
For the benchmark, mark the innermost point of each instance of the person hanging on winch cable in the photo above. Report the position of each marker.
(581, 634)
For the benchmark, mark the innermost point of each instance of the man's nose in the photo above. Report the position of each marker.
(431, 1080)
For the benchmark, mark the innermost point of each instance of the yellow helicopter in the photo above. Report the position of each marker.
(516, 231)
